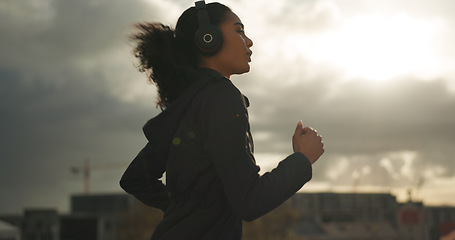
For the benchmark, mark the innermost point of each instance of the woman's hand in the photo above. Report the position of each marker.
(307, 141)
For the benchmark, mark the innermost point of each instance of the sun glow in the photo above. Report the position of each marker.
(378, 48)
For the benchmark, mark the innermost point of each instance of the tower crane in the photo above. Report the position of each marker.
(88, 168)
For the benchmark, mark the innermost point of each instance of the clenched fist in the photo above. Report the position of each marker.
(307, 141)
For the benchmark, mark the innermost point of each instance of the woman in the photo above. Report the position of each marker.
(202, 139)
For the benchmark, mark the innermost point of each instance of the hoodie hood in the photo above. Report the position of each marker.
(160, 130)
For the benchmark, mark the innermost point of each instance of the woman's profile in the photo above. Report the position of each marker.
(202, 138)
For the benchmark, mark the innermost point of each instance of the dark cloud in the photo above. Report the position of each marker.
(61, 98)
(48, 129)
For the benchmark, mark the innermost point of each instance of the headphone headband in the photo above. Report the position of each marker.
(208, 37)
(202, 14)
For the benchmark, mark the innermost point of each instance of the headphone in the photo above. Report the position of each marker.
(208, 37)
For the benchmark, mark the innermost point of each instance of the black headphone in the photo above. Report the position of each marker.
(208, 37)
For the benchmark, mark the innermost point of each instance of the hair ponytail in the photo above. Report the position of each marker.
(158, 56)
(169, 56)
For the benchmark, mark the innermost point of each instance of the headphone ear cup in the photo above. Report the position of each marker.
(208, 40)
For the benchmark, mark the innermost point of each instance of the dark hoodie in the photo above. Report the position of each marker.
(203, 143)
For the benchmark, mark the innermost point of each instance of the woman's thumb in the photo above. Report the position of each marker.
(299, 128)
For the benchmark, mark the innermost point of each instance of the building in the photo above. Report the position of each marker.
(94, 216)
(441, 221)
(9, 231)
(321, 216)
(40, 224)
(346, 207)
(412, 221)
(359, 216)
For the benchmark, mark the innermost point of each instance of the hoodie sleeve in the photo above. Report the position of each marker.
(250, 194)
(141, 179)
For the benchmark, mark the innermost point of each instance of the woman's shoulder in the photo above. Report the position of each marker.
(219, 95)
(218, 87)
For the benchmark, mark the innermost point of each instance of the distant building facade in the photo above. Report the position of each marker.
(346, 207)
(40, 224)
(346, 216)
(9, 231)
(322, 216)
(441, 221)
(92, 217)
(362, 216)
(412, 221)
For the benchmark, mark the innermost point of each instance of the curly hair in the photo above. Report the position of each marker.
(169, 56)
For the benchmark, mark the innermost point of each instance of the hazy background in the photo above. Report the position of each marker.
(375, 78)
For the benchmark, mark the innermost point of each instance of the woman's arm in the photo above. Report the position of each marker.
(249, 194)
(141, 179)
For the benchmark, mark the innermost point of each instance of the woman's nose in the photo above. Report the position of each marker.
(249, 42)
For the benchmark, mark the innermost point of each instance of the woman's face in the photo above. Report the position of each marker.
(235, 54)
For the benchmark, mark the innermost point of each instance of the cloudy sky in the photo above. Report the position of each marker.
(375, 78)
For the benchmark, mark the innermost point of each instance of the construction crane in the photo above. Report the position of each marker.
(87, 169)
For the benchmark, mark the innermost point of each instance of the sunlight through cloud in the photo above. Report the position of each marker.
(379, 48)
